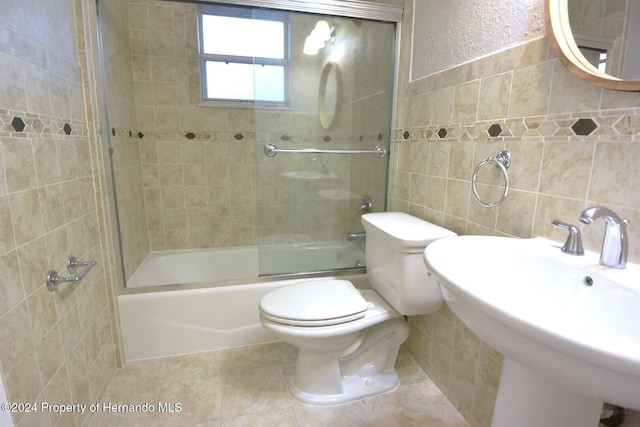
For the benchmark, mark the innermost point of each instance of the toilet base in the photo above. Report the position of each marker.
(365, 368)
(354, 387)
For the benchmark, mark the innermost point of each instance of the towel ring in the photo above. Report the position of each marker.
(502, 161)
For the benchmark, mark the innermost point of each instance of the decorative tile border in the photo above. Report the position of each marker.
(606, 126)
(21, 124)
(147, 135)
(248, 137)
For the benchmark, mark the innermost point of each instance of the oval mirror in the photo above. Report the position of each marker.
(606, 58)
(329, 93)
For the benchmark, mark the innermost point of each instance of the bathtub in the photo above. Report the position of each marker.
(196, 266)
(247, 262)
(185, 312)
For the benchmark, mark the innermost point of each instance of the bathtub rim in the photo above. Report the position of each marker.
(352, 271)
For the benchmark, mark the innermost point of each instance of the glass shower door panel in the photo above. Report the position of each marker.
(309, 203)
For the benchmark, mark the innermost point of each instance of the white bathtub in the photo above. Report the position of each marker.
(196, 266)
(159, 324)
(225, 264)
(159, 321)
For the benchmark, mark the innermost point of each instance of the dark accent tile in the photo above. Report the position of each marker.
(380, 136)
(442, 132)
(360, 138)
(238, 136)
(327, 138)
(140, 135)
(584, 126)
(113, 131)
(406, 134)
(130, 134)
(190, 135)
(67, 129)
(17, 124)
(284, 137)
(495, 130)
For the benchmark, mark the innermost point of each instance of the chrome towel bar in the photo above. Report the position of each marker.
(271, 150)
(53, 278)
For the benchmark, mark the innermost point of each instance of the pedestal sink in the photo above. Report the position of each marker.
(569, 329)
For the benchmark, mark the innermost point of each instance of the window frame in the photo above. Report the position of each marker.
(245, 13)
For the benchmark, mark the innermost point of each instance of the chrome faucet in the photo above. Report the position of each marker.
(365, 206)
(361, 235)
(573, 245)
(615, 243)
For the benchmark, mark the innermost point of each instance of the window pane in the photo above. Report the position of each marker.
(269, 83)
(236, 81)
(223, 35)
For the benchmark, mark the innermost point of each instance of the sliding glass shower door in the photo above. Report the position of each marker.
(322, 152)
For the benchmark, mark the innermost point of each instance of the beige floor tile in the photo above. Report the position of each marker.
(248, 386)
(206, 366)
(253, 390)
(276, 418)
(251, 356)
(406, 407)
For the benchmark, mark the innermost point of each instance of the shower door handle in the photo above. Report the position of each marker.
(270, 150)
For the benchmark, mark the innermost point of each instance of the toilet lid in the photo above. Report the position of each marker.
(314, 303)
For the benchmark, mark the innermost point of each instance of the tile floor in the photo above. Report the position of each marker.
(247, 386)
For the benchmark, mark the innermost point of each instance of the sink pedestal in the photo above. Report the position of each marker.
(528, 399)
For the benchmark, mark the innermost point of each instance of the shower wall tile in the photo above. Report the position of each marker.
(50, 207)
(555, 173)
(217, 167)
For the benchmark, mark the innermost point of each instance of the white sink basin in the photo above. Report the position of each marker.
(569, 328)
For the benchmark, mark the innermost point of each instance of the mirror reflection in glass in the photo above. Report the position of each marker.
(329, 94)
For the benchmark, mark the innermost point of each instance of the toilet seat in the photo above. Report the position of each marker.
(314, 303)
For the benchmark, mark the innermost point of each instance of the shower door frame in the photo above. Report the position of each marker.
(266, 268)
(344, 8)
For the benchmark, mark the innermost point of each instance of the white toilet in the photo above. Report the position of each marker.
(348, 339)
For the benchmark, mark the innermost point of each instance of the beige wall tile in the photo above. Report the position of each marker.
(465, 104)
(50, 354)
(11, 291)
(17, 154)
(515, 215)
(12, 330)
(42, 312)
(566, 168)
(616, 178)
(47, 211)
(554, 175)
(26, 216)
(525, 173)
(569, 93)
(457, 199)
(493, 102)
(33, 263)
(12, 85)
(24, 383)
(530, 90)
(439, 159)
(7, 239)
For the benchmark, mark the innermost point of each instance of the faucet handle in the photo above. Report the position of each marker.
(573, 245)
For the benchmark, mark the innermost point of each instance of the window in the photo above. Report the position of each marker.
(244, 55)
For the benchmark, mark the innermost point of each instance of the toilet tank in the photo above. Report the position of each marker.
(395, 267)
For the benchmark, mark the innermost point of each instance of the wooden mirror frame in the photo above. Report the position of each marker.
(564, 44)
